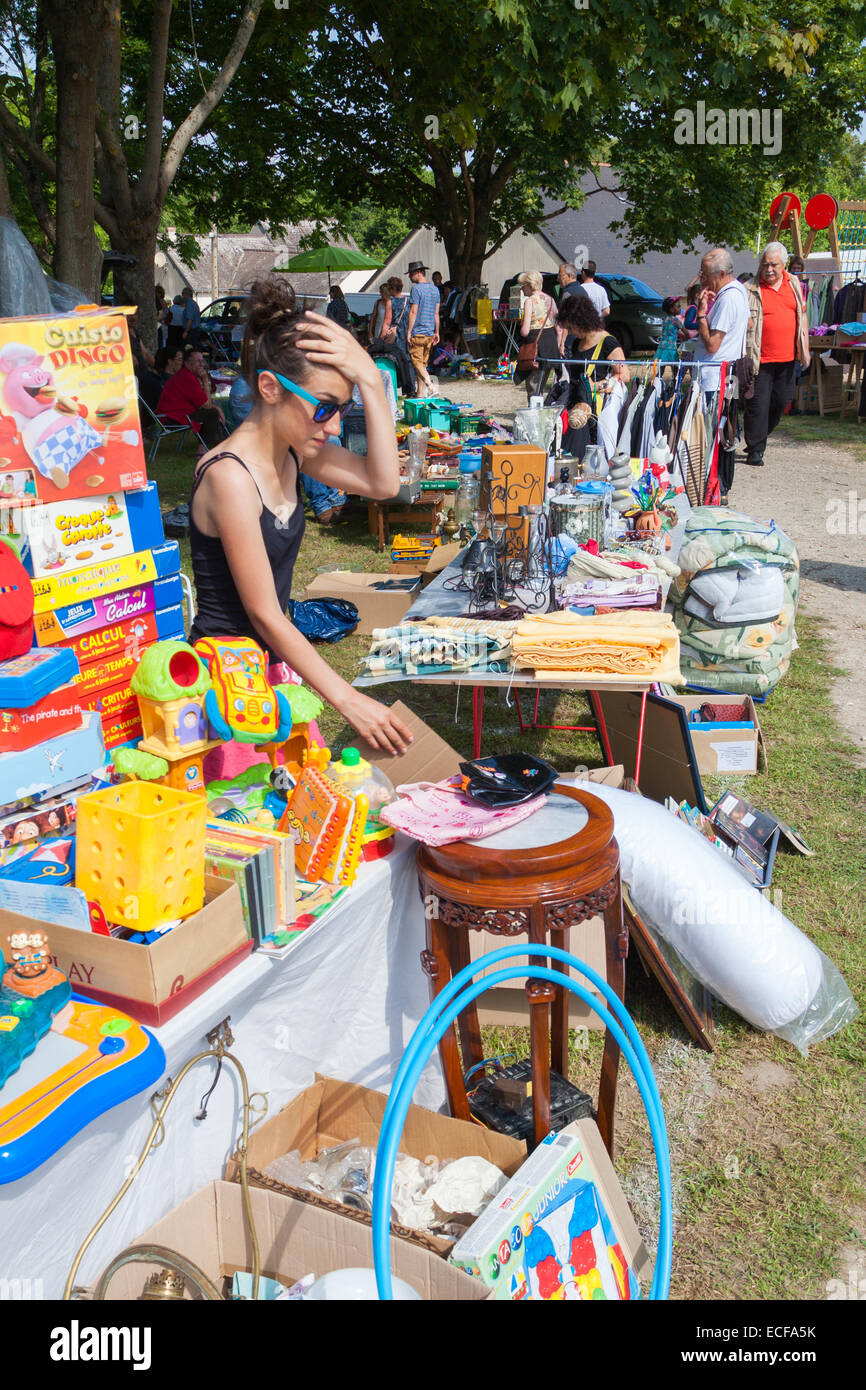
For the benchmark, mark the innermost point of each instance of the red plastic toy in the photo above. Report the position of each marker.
(16, 605)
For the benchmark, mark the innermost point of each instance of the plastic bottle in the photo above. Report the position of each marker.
(353, 775)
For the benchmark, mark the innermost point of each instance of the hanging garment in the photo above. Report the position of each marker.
(624, 442)
(648, 430)
(608, 420)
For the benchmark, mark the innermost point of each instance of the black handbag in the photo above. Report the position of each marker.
(507, 779)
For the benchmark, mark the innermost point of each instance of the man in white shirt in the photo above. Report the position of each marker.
(597, 293)
(721, 328)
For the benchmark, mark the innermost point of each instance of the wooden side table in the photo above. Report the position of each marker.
(551, 871)
(381, 516)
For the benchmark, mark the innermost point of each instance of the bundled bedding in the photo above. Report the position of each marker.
(629, 646)
(413, 649)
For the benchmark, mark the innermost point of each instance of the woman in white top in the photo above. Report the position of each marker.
(380, 318)
(536, 326)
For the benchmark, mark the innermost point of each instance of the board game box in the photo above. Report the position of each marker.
(69, 425)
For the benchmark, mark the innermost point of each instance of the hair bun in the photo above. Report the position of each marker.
(271, 301)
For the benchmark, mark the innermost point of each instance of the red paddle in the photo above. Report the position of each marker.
(820, 212)
(782, 208)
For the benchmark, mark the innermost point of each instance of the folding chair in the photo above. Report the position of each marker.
(161, 429)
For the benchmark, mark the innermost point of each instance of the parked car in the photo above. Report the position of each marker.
(218, 321)
(635, 317)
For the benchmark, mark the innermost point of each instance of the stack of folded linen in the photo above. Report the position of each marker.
(635, 646)
(413, 649)
(641, 590)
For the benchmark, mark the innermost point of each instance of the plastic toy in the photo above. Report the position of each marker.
(16, 605)
(85, 1058)
(140, 853)
(132, 764)
(170, 685)
(316, 816)
(305, 707)
(27, 678)
(242, 704)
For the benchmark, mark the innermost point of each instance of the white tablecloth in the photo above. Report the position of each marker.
(344, 1002)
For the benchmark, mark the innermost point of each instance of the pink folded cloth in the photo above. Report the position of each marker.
(438, 813)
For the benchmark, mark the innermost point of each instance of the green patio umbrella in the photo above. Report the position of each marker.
(329, 258)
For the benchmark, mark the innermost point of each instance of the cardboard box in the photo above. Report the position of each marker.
(439, 560)
(669, 759)
(721, 748)
(376, 608)
(294, 1239)
(69, 535)
(512, 476)
(330, 1112)
(129, 636)
(152, 983)
(107, 577)
(85, 437)
(91, 615)
(495, 1248)
(53, 763)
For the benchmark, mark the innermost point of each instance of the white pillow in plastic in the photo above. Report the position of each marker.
(732, 937)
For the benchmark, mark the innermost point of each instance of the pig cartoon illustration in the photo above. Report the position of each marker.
(55, 440)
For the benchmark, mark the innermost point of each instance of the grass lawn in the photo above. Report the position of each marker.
(768, 1147)
(830, 430)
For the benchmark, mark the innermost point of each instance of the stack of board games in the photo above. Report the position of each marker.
(77, 507)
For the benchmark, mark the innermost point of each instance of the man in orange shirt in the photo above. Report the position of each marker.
(777, 339)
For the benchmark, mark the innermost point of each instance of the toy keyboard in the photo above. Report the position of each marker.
(91, 1058)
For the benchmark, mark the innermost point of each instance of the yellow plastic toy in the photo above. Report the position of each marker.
(140, 853)
(242, 704)
(170, 684)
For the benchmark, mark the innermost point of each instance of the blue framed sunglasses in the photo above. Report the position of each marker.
(325, 410)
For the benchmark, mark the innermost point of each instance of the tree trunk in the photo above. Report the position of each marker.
(136, 284)
(75, 42)
(5, 195)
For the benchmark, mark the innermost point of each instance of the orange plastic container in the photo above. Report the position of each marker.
(140, 853)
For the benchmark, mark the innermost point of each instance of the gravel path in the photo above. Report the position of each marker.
(813, 493)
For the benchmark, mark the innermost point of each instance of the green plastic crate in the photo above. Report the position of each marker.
(466, 422)
(414, 408)
(438, 413)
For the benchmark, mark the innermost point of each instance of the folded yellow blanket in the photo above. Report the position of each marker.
(636, 644)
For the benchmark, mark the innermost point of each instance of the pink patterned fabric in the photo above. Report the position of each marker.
(437, 813)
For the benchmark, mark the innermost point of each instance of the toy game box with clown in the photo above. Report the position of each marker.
(560, 1229)
(69, 425)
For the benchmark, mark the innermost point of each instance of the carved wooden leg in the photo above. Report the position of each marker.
(437, 967)
(467, 1022)
(561, 1000)
(540, 994)
(616, 950)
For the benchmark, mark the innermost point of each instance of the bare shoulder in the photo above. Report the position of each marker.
(226, 489)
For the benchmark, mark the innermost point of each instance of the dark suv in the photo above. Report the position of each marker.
(218, 320)
(635, 317)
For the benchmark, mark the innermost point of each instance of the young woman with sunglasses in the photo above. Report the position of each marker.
(246, 508)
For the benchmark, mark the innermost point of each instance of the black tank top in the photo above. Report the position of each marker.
(220, 610)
